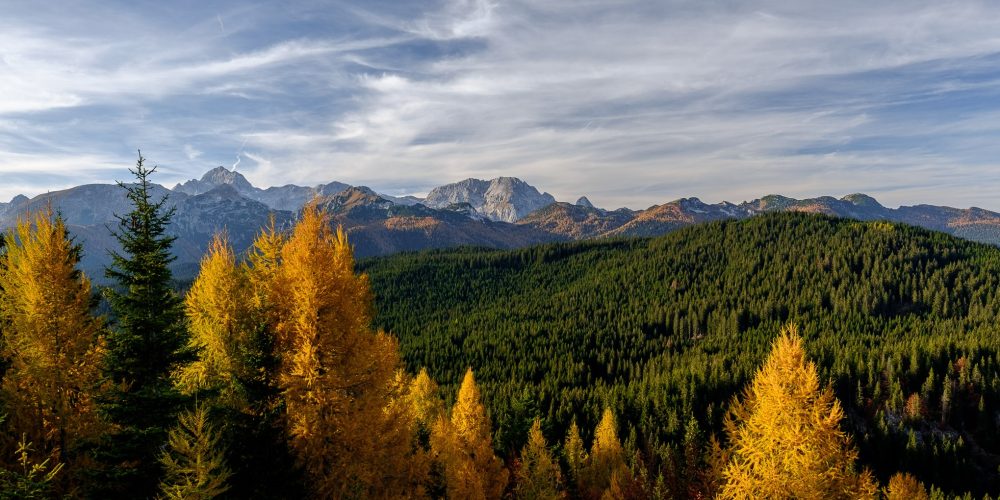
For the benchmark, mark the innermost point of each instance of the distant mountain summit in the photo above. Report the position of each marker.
(505, 199)
(218, 176)
(289, 197)
(505, 212)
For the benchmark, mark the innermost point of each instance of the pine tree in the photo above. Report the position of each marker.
(194, 463)
(785, 434)
(52, 344)
(345, 417)
(148, 343)
(538, 476)
(464, 446)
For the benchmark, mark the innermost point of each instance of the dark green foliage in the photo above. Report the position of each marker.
(257, 451)
(668, 328)
(146, 344)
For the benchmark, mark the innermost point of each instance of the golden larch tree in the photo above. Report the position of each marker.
(903, 486)
(337, 375)
(52, 342)
(606, 459)
(464, 446)
(575, 453)
(194, 465)
(785, 434)
(425, 399)
(218, 308)
(538, 476)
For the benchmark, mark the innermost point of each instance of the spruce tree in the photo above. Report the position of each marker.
(147, 343)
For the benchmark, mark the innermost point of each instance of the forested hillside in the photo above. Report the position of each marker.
(865, 352)
(665, 331)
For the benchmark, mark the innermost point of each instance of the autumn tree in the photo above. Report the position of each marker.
(52, 344)
(194, 463)
(464, 446)
(606, 458)
(236, 366)
(425, 399)
(147, 344)
(219, 321)
(903, 486)
(575, 454)
(538, 476)
(785, 434)
(345, 417)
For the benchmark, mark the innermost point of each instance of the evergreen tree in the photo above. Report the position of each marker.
(785, 434)
(148, 343)
(28, 479)
(538, 476)
(52, 342)
(194, 463)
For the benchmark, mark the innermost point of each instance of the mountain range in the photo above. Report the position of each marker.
(505, 212)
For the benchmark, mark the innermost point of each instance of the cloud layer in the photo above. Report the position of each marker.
(631, 103)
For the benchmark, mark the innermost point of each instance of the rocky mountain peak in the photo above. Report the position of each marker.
(222, 175)
(504, 198)
(584, 202)
(862, 200)
(218, 176)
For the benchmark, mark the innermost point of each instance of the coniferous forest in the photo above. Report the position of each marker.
(783, 356)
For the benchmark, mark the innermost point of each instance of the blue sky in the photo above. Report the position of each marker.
(631, 103)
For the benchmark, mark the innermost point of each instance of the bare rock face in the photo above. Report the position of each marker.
(584, 202)
(505, 199)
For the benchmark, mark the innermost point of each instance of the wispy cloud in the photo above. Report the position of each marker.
(631, 103)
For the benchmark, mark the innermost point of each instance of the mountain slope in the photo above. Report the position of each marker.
(671, 328)
(577, 222)
(377, 226)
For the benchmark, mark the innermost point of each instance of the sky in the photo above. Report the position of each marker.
(631, 103)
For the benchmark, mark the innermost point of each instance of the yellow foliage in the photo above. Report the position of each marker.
(607, 458)
(52, 342)
(194, 464)
(219, 313)
(464, 447)
(785, 435)
(338, 377)
(425, 402)
(539, 476)
(574, 452)
(903, 486)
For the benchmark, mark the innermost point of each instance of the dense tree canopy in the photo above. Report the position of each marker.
(668, 329)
